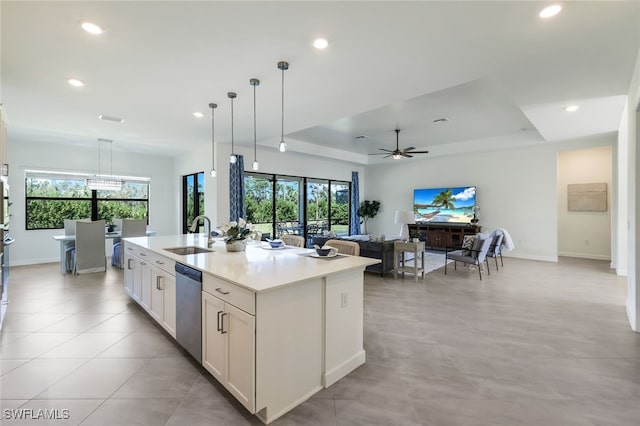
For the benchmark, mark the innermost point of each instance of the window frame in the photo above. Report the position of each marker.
(93, 198)
(304, 180)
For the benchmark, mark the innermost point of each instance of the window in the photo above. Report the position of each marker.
(192, 199)
(279, 205)
(52, 197)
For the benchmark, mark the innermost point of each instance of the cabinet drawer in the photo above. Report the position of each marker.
(230, 293)
(136, 251)
(167, 265)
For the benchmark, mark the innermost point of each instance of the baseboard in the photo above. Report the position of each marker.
(631, 316)
(531, 257)
(584, 255)
(337, 373)
(34, 261)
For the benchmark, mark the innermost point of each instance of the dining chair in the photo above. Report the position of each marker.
(89, 255)
(130, 228)
(345, 247)
(69, 229)
(293, 240)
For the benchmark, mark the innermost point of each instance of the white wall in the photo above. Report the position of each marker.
(584, 234)
(516, 190)
(38, 246)
(629, 159)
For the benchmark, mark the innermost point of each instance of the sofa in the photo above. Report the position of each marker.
(382, 250)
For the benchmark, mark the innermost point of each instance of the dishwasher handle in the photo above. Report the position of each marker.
(191, 273)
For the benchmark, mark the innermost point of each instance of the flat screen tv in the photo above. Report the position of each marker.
(451, 205)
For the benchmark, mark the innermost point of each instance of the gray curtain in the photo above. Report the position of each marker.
(354, 219)
(236, 190)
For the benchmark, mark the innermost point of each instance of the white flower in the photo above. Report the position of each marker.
(241, 222)
(233, 224)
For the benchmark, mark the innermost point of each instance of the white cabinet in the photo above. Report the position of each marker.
(163, 299)
(228, 347)
(132, 284)
(150, 280)
(145, 284)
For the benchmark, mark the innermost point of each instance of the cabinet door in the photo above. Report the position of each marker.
(238, 328)
(213, 341)
(129, 272)
(157, 294)
(169, 303)
(145, 285)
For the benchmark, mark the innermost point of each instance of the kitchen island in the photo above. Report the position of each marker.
(278, 325)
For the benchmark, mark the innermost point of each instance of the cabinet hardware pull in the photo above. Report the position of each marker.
(159, 262)
(129, 248)
(143, 254)
(143, 263)
(129, 263)
(219, 328)
(219, 290)
(158, 282)
(222, 323)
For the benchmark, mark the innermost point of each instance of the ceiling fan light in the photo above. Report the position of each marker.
(396, 156)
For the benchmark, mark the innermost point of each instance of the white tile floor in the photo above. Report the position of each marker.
(534, 344)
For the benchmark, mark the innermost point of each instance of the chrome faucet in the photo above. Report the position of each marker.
(207, 229)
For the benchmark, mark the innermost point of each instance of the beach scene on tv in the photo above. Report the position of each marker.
(444, 204)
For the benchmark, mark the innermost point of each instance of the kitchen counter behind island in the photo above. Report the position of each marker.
(277, 325)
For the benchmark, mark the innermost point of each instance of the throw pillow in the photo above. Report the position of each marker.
(467, 244)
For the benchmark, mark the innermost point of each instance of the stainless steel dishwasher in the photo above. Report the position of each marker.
(189, 309)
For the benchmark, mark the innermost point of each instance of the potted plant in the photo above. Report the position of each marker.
(367, 210)
(236, 234)
(415, 235)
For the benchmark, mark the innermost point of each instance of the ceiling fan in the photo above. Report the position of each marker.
(399, 153)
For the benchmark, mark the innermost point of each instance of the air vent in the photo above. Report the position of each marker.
(361, 137)
(441, 120)
(111, 118)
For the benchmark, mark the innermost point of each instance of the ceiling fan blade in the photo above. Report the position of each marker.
(380, 153)
(387, 156)
(385, 150)
(411, 148)
(404, 154)
(419, 152)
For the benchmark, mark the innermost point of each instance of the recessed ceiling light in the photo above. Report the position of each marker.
(572, 108)
(110, 118)
(198, 114)
(91, 28)
(550, 11)
(75, 82)
(320, 43)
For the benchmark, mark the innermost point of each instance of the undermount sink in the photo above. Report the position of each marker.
(183, 251)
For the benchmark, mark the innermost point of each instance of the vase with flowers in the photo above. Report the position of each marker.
(236, 234)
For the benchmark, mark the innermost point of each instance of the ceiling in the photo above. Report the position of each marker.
(494, 69)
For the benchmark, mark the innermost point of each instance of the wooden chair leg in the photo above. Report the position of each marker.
(480, 270)
(486, 261)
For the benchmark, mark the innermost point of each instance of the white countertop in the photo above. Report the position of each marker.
(256, 269)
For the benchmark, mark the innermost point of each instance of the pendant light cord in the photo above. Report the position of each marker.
(255, 157)
(282, 138)
(213, 139)
(232, 150)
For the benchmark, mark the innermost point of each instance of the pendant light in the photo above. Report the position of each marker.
(101, 182)
(213, 141)
(283, 66)
(255, 166)
(232, 157)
